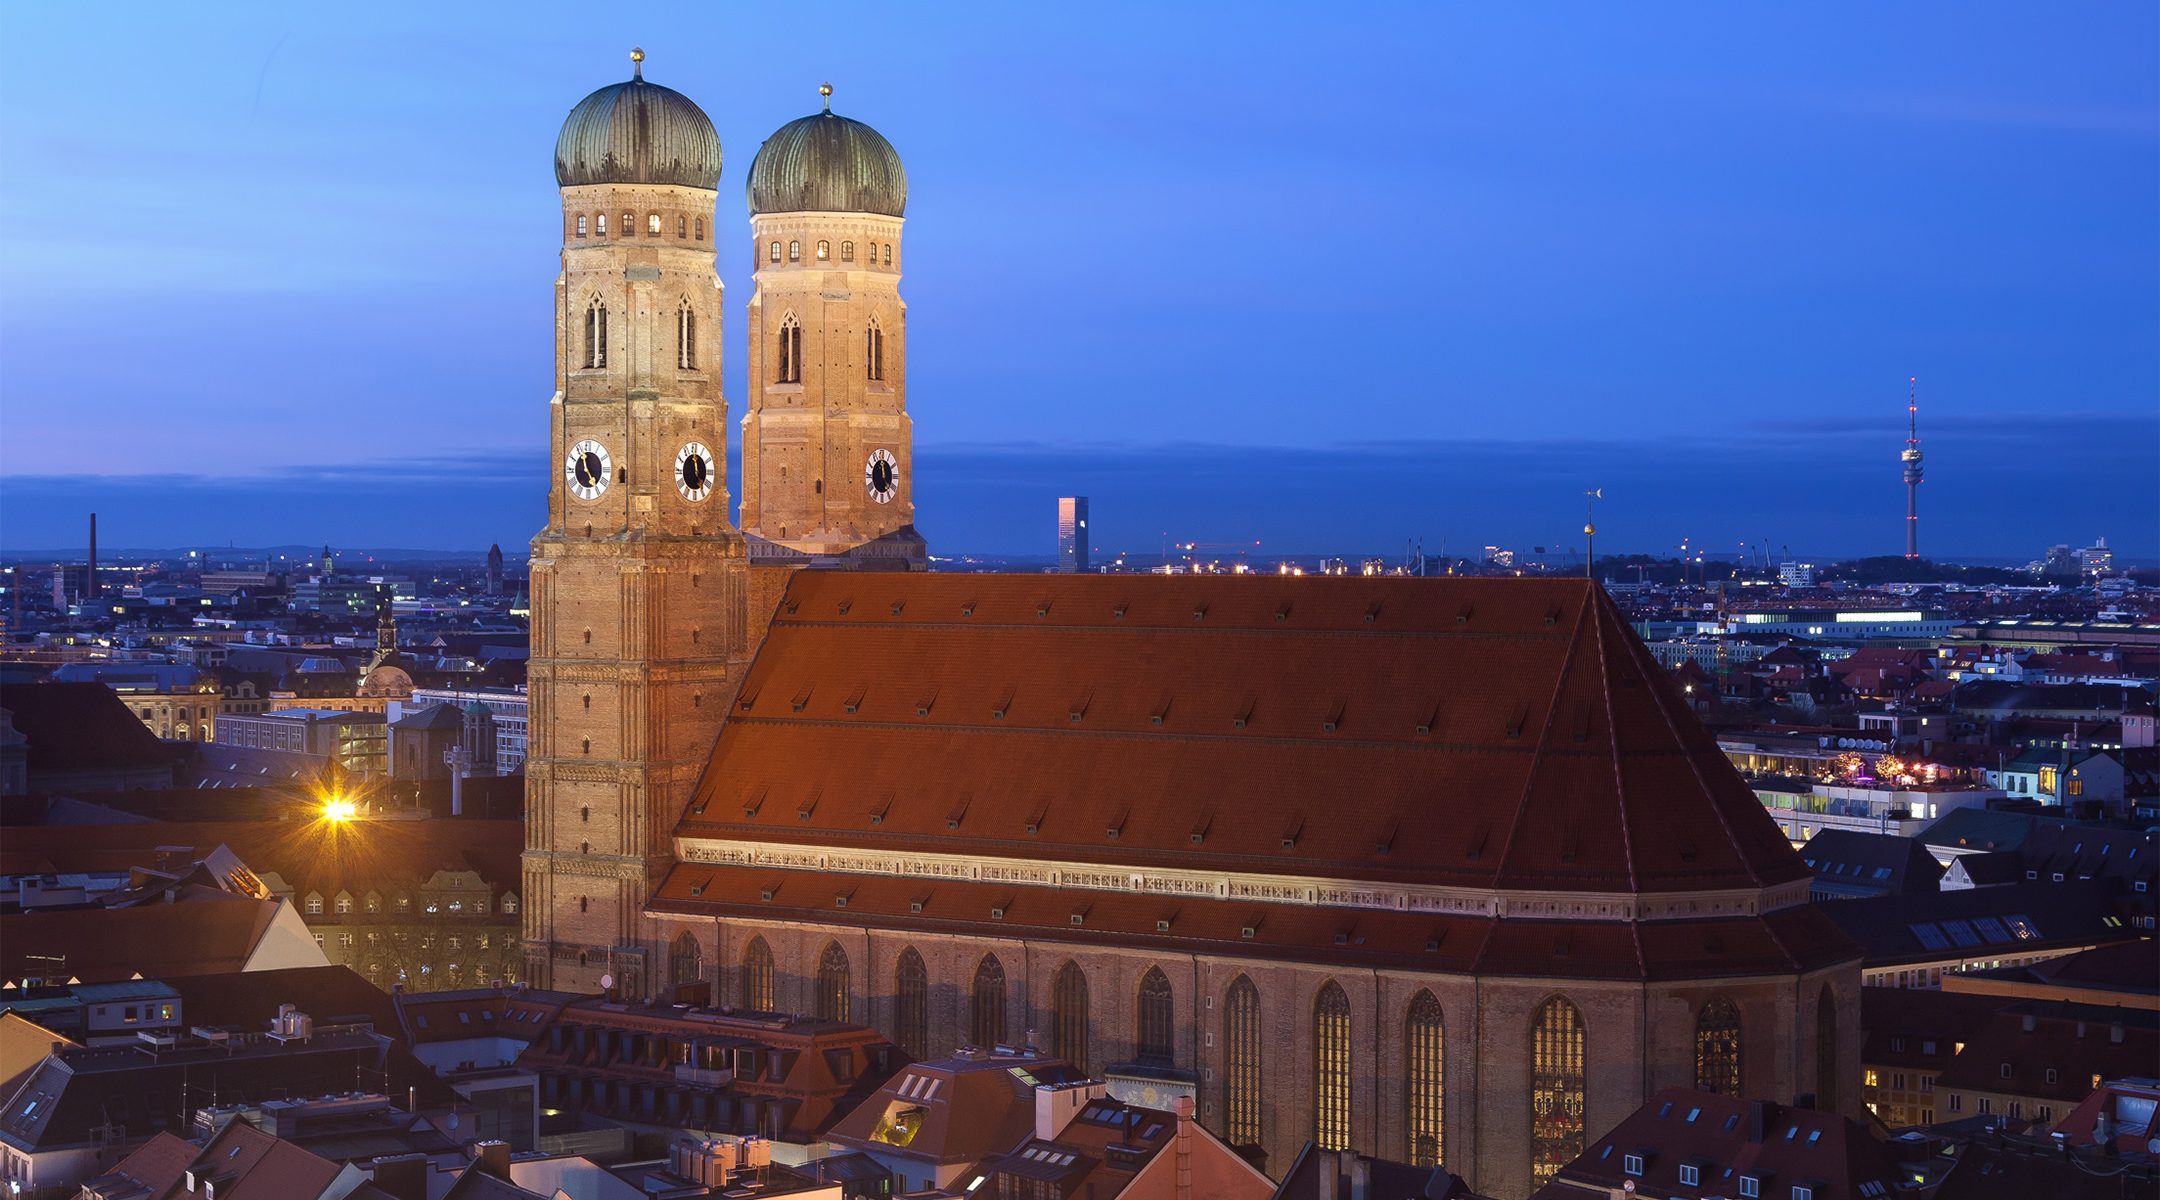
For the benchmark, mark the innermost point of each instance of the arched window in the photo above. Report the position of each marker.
(757, 976)
(1069, 1015)
(987, 998)
(1717, 1047)
(684, 958)
(794, 250)
(790, 351)
(1556, 1089)
(595, 334)
(873, 254)
(1154, 1041)
(1828, 1093)
(699, 225)
(1241, 1066)
(686, 337)
(600, 220)
(652, 224)
(774, 255)
(888, 254)
(847, 252)
(1425, 1086)
(1331, 1068)
(832, 984)
(911, 1004)
(629, 222)
(874, 351)
(581, 225)
(824, 250)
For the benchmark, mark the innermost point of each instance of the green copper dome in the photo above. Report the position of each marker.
(827, 163)
(638, 132)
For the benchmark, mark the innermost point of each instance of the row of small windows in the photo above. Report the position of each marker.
(685, 227)
(823, 252)
(343, 904)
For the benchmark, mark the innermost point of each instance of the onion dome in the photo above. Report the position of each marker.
(827, 163)
(638, 132)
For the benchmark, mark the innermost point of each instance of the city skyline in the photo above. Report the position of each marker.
(1617, 278)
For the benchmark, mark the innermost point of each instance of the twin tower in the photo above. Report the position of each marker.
(646, 598)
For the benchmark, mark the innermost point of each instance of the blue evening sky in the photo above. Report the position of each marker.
(1329, 277)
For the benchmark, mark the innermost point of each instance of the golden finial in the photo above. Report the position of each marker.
(825, 90)
(637, 61)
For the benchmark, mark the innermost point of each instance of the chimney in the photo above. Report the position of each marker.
(1758, 1120)
(403, 1176)
(493, 1157)
(1055, 1107)
(1183, 1107)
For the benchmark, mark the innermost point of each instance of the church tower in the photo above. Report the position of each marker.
(827, 444)
(637, 583)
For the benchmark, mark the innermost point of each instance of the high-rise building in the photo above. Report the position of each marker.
(638, 581)
(1072, 533)
(827, 444)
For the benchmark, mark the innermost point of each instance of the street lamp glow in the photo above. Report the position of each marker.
(336, 809)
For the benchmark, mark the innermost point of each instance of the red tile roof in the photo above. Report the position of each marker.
(71, 725)
(206, 935)
(1479, 733)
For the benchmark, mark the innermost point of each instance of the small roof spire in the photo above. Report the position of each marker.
(825, 90)
(637, 62)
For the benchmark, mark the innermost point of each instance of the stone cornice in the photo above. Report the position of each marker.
(1234, 885)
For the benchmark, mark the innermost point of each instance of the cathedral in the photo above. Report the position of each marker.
(1442, 870)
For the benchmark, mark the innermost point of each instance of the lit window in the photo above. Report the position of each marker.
(757, 976)
(774, 254)
(629, 222)
(794, 251)
(1717, 1047)
(847, 252)
(1556, 1089)
(1425, 1096)
(1331, 1068)
(601, 224)
(888, 254)
(652, 224)
(1241, 1073)
(824, 250)
(314, 906)
(581, 225)
(682, 227)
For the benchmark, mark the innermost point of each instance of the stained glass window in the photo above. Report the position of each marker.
(1717, 1047)
(832, 984)
(1425, 1049)
(1241, 1073)
(911, 1003)
(1069, 1015)
(988, 1026)
(1155, 1043)
(1556, 1089)
(1331, 1068)
(757, 976)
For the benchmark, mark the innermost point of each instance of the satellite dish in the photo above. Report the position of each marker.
(606, 982)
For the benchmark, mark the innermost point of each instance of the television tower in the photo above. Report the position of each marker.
(1911, 455)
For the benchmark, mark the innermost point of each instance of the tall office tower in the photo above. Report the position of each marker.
(1072, 533)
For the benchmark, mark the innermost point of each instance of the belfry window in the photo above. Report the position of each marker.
(874, 351)
(686, 337)
(601, 223)
(847, 252)
(790, 351)
(595, 334)
(1556, 1089)
(682, 227)
(1331, 1068)
(794, 251)
(824, 250)
(1069, 1015)
(873, 254)
(774, 254)
(652, 224)
(1717, 1047)
(1154, 1043)
(888, 254)
(911, 1003)
(987, 997)
(629, 222)
(1241, 1069)
(699, 225)
(757, 976)
(1425, 1093)
(581, 225)
(832, 984)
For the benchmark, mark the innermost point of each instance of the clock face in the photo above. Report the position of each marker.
(588, 469)
(694, 471)
(882, 476)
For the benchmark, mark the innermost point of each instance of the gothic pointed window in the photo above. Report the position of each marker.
(1717, 1047)
(757, 976)
(911, 1004)
(986, 1018)
(832, 984)
(847, 252)
(1154, 1043)
(824, 250)
(686, 337)
(1425, 1090)
(794, 250)
(1828, 1093)
(1241, 1067)
(684, 959)
(595, 334)
(874, 351)
(1556, 1089)
(1069, 1015)
(1331, 1068)
(790, 351)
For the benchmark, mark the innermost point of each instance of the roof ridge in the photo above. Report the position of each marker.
(1552, 714)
